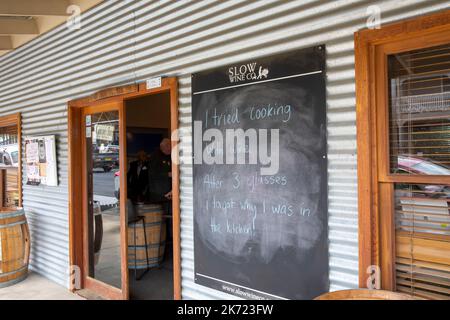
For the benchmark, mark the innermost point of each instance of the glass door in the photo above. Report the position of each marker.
(105, 249)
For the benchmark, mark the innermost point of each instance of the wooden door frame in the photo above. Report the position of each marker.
(11, 120)
(75, 134)
(376, 238)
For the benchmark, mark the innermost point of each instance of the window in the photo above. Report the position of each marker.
(10, 173)
(419, 103)
(404, 154)
(419, 144)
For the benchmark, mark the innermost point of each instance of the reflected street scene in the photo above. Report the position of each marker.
(104, 211)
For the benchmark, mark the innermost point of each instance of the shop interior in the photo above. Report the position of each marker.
(149, 204)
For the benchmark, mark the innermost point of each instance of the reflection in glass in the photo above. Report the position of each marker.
(102, 136)
(9, 163)
(419, 102)
(423, 208)
(422, 237)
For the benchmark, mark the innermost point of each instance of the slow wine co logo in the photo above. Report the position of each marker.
(248, 71)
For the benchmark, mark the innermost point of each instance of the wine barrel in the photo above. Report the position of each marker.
(155, 232)
(364, 294)
(14, 246)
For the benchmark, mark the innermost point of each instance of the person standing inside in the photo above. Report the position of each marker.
(160, 181)
(138, 178)
(160, 173)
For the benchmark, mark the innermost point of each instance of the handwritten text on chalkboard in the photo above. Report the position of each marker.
(260, 177)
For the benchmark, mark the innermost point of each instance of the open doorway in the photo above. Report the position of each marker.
(149, 187)
(122, 231)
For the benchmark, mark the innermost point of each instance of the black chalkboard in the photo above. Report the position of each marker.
(260, 236)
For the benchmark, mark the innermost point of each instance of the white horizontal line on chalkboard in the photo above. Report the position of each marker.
(262, 81)
(237, 285)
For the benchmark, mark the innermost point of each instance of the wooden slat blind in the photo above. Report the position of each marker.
(423, 240)
(422, 219)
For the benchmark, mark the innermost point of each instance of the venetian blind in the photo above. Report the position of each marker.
(423, 240)
(419, 84)
(419, 136)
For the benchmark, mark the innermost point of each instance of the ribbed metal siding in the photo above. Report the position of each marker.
(126, 41)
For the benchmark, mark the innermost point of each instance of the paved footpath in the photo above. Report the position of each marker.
(36, 287)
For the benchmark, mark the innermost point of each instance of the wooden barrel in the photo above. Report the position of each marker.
(155, 232)
(364, 294)
(14, 246)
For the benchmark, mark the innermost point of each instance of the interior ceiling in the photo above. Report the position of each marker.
(23, 20)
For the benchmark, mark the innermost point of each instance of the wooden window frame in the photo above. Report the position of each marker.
(122, 94)
(375, 182)
(11, 120)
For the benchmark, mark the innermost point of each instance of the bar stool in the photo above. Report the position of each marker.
(135, 222)
(133, 218)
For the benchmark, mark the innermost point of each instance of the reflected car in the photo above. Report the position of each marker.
(106, 161)
(111, 148)
(413, 165)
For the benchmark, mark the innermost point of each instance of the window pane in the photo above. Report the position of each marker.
(422, 208)
(9, 163)
(419, 104)
(422, 237)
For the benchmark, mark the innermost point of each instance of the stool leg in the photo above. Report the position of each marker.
(146, 245)
(160, 237)
(146, 250)
(135, 253)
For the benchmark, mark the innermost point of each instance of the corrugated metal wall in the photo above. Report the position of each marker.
(125, 41)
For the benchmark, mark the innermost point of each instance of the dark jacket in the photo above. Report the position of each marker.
(159, 182)
(137, 183)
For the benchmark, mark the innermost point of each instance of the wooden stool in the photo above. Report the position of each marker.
(365, 294)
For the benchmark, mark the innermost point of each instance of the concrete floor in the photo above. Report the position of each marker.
(156, 284)
(36, 287)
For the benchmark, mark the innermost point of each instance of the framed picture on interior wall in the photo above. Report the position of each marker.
(41, 163)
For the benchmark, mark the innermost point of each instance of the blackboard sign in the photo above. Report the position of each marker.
(260, 177)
